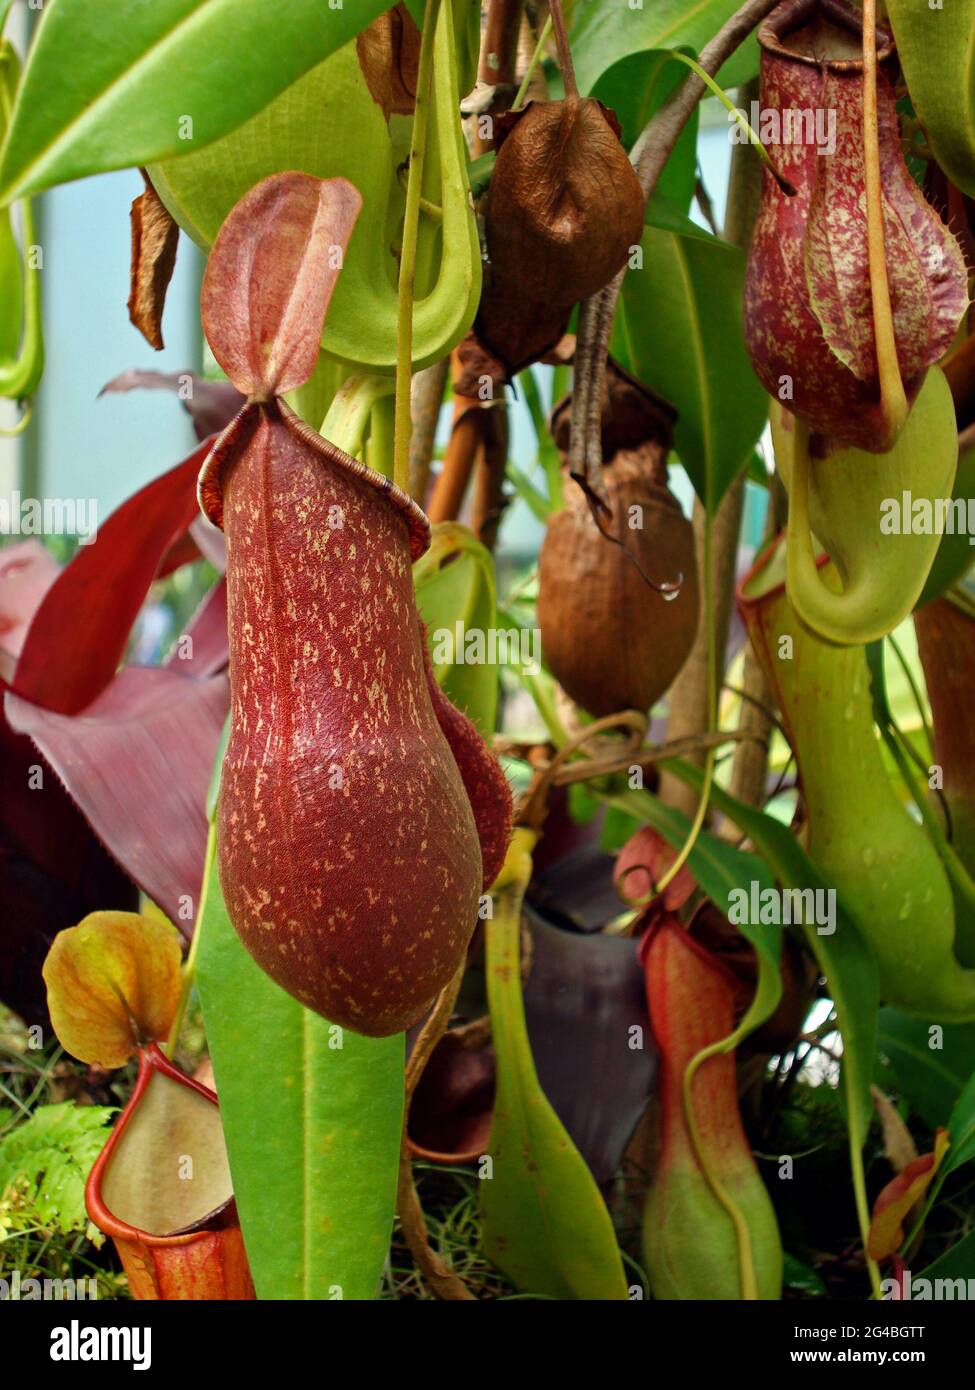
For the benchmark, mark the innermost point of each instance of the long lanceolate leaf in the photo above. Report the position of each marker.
(159, 78)
(545, 1223)
(606, 33)
(312, 1116)
(936, 48)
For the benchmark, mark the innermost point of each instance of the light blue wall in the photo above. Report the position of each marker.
(105, 448)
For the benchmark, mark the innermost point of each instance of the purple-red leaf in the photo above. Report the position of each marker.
(138, 763)
(270, 277)
(53, 871)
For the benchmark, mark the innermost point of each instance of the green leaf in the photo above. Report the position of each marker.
(635, 88)
(803, 1278)
(961, 1129)
(312, 1115)
(679, 330)
(621, 58)
(545, 1223)
(533, 497)
(936, 49)
(113, 84)
(954, 556)
(605, 32)
(931, 1078)
(48, 1159)
(454, 583)
(956, 1263)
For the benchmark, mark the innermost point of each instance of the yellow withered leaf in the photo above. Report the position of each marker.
(899, 1198)
(113, 983)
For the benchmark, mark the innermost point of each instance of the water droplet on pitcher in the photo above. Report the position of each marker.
(869, 856)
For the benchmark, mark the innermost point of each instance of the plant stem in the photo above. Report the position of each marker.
(754, 140)
(536, 58)
(565, 52)
(892, 398)
(407, 268)
(427, 398)
(189, 969)
(440, 1277)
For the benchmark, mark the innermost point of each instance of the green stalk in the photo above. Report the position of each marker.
(189, 969)
(352, 414)
(536, 58)
(407, 269)
(753, 138)
(893, 398)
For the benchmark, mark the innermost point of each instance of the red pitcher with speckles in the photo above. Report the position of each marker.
(349, 853)
(809, 321)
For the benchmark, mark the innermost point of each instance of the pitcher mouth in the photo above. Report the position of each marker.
(238, 432)
(152, 1060)
(792, 16)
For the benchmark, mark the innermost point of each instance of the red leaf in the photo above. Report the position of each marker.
(208, 650)
(642, 863)
(270, 277)
(78, 636)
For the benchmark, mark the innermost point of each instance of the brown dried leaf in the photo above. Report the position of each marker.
(389, 56)
(270, 277)
(513, 331)
(565, 206)
(113, 983)
(154, 239)
(899, 1143)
